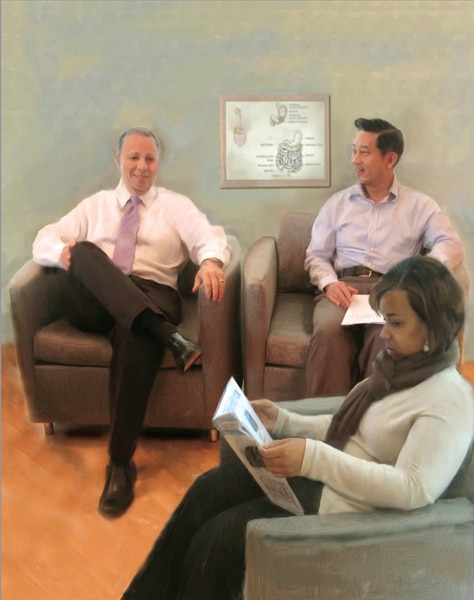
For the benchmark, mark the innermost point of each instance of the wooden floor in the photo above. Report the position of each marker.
(55, 545)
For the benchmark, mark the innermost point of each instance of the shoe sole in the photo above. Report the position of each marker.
(115, 513)
(192, 360)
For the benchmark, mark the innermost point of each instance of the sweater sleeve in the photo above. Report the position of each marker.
(434, 448)
(290, 424)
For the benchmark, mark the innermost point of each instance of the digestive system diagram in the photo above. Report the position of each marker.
(289, 156)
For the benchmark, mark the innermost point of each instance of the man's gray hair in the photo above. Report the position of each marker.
(140, 131)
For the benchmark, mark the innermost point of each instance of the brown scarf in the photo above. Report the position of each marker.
(389, 376)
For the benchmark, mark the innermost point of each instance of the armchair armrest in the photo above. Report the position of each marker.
(35, 300)
(424, 554)
(259, 291)
(220, 327)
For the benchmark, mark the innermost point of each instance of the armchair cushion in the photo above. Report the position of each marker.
(290, 330)
(94, 349)
(81, 349)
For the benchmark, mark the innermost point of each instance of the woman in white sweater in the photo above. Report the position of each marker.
(396, 442)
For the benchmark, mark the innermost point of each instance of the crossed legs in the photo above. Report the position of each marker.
(141, 318)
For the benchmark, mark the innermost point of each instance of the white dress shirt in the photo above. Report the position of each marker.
(172, 230)
(350, 230)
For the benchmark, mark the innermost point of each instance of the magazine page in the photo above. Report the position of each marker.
(242, 428)
(360, 312)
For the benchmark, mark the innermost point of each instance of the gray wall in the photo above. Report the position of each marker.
(75, 73)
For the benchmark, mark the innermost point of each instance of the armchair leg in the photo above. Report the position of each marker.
(213, 435)
(48, 428)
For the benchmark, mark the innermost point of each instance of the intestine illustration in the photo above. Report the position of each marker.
(290, 154)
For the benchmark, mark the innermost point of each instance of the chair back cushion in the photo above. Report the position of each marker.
(293, 238)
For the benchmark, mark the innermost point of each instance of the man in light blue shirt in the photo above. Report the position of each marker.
(358, 235)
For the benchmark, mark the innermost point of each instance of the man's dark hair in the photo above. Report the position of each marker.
(390, 139)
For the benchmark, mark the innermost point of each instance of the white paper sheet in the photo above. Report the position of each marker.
(360, 312)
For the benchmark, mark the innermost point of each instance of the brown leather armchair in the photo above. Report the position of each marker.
(277, 300)
(65, 371)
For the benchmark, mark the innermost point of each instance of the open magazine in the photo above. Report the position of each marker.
(240, 425)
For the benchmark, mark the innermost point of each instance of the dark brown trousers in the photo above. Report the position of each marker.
(102, 299)
(340, 356)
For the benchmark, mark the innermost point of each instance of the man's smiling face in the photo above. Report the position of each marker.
(138, 163)
(373, 169)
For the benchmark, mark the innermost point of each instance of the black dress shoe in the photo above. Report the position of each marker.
(185, 352)
(118, 491)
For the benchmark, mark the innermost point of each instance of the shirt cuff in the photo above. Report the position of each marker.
(214, 259)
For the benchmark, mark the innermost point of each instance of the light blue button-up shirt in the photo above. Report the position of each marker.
(350, 230)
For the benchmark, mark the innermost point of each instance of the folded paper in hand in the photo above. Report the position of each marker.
(360, 312)
(242, 428)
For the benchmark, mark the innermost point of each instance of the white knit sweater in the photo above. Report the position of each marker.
(406, 451)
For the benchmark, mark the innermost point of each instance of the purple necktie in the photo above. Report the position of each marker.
(124, 252)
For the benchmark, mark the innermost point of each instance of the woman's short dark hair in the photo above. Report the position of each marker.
(433, 293)
(389, 139)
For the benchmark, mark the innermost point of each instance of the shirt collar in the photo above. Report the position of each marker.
(358, 190)
(123, 195)
(393, 191)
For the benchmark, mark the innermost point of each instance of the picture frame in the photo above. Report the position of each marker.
(275, 141)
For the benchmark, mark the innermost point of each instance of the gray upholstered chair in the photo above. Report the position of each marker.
(414, 555)
(65, 371)
(277, 300)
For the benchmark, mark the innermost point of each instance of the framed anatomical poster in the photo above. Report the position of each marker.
(274, 141)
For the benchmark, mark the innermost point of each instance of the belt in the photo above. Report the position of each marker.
(359, 271)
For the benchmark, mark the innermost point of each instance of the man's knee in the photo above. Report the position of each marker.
(85, 249)
(327, 318)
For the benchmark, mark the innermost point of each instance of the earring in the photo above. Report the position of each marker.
(426, 346)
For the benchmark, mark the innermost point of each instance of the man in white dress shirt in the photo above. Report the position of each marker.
(359, 234)
(139, 307)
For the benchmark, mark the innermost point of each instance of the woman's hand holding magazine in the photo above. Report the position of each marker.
(283, 458)
(267, 411)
